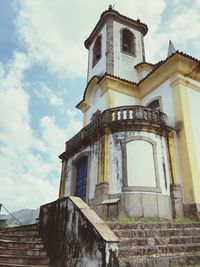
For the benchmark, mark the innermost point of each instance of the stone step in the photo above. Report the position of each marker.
(22, 265)
(158, 240)
(22, 252)
(21, 232)
(23, 227)
(129, 233)
(21, 238)
(165, 260)
(153, 225)
(26, 260)
(22, 245)
(160, 249)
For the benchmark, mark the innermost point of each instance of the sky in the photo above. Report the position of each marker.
(43, 68)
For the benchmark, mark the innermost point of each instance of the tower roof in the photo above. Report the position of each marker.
(171, 49)
(115, 15)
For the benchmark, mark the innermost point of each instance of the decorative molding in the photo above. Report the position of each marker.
(141, 189)
(123, 118)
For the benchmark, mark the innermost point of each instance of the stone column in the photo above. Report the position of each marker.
(102, 188)
(62, 179)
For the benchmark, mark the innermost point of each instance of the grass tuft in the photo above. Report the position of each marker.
(127, 220)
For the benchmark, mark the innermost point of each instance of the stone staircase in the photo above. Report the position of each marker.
(22, 247)
(158, 244)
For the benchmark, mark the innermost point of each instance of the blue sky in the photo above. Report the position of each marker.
(43, 67)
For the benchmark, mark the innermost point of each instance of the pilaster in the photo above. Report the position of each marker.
(186, 143)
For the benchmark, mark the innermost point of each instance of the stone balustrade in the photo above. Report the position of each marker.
(117, 118)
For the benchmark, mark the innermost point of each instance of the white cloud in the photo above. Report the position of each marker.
(29, 167)
(54, 31)
(15, 117)
(54, 137)
(22, 174)
(48, 96)
(183, 26)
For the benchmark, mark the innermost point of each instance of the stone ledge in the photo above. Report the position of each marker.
(105, 232)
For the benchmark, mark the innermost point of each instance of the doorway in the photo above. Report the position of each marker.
(81, 178)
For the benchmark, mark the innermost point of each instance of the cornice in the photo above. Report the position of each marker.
(115, 16)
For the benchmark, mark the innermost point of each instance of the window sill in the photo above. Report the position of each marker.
(141, 188)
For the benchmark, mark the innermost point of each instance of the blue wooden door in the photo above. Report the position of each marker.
(81, 180)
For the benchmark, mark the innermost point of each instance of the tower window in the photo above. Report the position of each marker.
(97, 51)
(128, 42)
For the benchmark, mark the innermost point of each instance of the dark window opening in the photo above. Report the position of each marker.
(155, 104)
(128, 42)
(97, 51)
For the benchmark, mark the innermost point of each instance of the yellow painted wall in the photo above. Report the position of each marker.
(186, 144)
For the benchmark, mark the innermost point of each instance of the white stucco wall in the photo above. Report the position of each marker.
(123, 100)
(97, 102)
(165, 92)
(100, 67)
(194, 104)
(123, 63)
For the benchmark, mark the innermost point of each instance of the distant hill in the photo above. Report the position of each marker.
(25, 216)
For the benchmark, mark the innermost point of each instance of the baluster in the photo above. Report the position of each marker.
(145, 114)
(123, 112)
(134, 113)
(140, 113)
(115, 115)
(128, 114)
(156, 116)
(149, 114)
(112, 115)
(119, 115)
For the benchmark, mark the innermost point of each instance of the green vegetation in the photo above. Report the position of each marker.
(127, 220)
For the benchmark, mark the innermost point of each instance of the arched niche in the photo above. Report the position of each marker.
(140, 165)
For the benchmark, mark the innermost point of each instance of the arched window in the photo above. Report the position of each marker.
(128, 42)
(97, 51)
(155, 104)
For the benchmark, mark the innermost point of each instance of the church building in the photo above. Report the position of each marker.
(138, 153)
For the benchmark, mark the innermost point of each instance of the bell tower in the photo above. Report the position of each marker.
(116, 46)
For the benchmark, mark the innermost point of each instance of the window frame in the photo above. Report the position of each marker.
(94, 50)
(133, 54)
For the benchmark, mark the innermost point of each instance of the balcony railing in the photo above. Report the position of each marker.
(124, 114)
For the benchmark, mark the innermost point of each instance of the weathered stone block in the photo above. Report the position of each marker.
(133, 204)
(150, 205)
(164, 207)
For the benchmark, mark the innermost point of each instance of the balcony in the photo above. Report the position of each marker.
(118, 119)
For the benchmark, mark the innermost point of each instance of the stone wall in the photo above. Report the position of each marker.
(75, 236)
